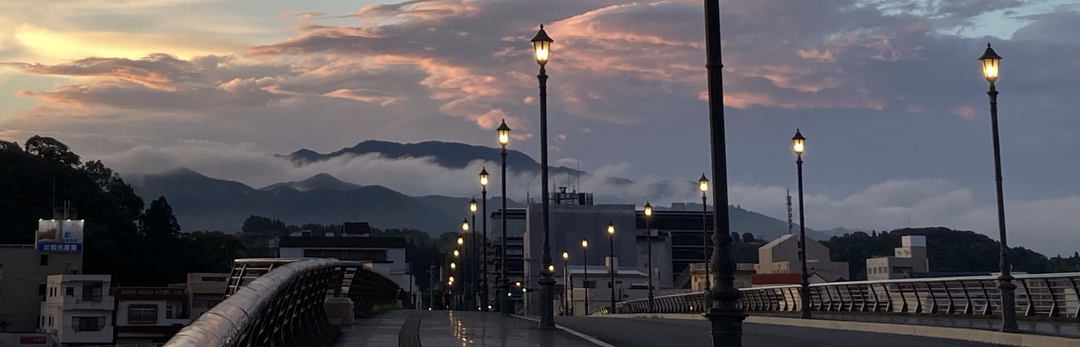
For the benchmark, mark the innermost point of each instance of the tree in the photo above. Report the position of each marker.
(159, 222)
(735, 236)
(748, 238)
(52, 150)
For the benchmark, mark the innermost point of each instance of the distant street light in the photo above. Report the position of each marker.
(585, 259)
(648, 242)
(567, 285)
(484, 217)
(804, 289)
(504, 284)
(472, 269)
(542, 49)
(990, 61)
(611, 261)
(703, 185)
(456, 253)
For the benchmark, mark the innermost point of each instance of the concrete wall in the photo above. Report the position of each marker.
(661, 258)
(21, 275)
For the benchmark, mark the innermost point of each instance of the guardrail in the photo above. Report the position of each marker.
(1042, 295)
(279, 302)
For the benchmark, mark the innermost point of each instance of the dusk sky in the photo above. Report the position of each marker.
(889, 95)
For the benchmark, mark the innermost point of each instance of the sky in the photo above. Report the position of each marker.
(889, 95)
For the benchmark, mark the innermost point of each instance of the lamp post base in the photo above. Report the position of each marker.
(725, 320)
(1008, 304)
(547, 302)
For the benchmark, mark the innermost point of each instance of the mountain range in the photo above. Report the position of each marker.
(205, 203)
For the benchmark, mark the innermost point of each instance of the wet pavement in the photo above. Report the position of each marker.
(453, 328)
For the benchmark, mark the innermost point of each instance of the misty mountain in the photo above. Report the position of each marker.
(204, 203)
(318, 181)
(447, 154)
(460, 206)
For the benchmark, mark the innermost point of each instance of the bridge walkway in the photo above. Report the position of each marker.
(415, 328)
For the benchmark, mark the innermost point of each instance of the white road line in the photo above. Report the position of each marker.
(572, 332)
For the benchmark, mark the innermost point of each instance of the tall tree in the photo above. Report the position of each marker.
(159, 222)
(52, 150)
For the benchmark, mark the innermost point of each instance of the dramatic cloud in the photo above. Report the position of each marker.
(888, 94)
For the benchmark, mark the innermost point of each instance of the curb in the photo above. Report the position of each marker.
(581, 335)
(973, 335)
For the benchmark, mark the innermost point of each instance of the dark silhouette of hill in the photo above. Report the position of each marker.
(314, 182)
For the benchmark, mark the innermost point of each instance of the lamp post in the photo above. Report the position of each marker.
(504, 297)
(648, 242)
(990, 61)
(804, 287)
(567, 285)
(542, 47)
(703, 185)
(585, 259)
(611, 261)
(724, 316)
(484, 217)
(470, 258)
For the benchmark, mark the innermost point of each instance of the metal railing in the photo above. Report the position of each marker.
(279, 302)
(1042, 295)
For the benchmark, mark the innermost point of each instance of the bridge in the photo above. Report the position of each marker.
(328, 302)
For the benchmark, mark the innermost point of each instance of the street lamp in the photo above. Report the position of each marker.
(567, 285)
(456, 253)
(724, 316)
(703, 185)
(504, 307)
(453, 266)
(585, 259)
(460, 240)
(611, 261)
(990, 61)
(804, 289)
(542, 49)
(648, 240)
(472, 212)
(467, 274)
(484, 217)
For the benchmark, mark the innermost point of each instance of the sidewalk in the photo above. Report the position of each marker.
(453, 328)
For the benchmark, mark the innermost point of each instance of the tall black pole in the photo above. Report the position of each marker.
(504, 285)
(726, 318)
(804, 288)
(483, 248)
(648, 241)
(475, 255)
(1008, 301)
(585, 258)
(547, 283)
(705, 245)
(611, 269)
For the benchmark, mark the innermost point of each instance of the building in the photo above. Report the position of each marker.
(78, 309)
(630, 284)
(385, 255)
(743, 274)
(515, 271)
(204, 291)
(569, 223)
(149, 315)
(782, 256)
(23, 283)
(784, 279)
(906, 260)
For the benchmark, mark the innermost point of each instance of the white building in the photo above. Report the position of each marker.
(78, 309)
(385, 255)
(907, 259)
(149, 314)
(630, 284)
(781, 256)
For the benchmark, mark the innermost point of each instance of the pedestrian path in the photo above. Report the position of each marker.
(416, 328)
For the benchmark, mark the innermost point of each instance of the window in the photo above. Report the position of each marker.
(213, 279)
(41, 289)
(168, 312)
(50, 320)
(142, 314)
(42, 322)
(91, 291)
(88, 323)
(70, 291)
(44, 260)
(590, 284)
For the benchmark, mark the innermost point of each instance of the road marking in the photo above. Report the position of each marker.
(572, 332)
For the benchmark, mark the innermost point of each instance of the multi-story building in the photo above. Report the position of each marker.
(78, 309)
(908, 259)
(149, 315)
(23, 283)
(782, 256)
(385, 255)
(515, 263)
(204, 291)
(743, 275)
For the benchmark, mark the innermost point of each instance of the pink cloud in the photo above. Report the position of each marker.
(964, 112)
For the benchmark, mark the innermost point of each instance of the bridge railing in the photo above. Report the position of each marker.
(279, 302)
(1042, 295)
